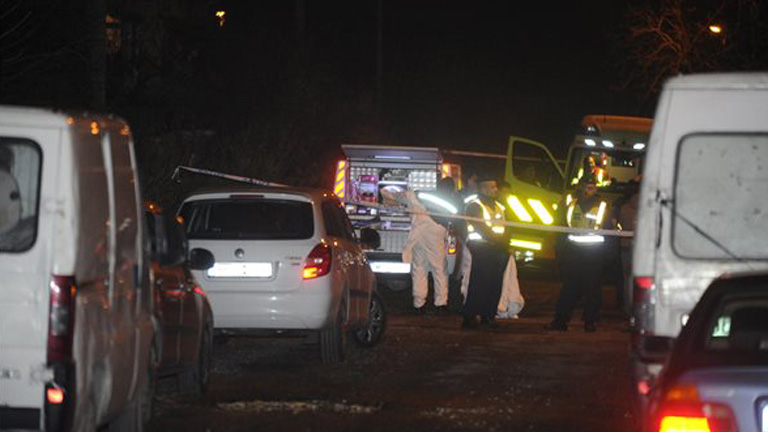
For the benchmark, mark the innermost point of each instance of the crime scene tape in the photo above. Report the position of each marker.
(528, 226)
(232, 177)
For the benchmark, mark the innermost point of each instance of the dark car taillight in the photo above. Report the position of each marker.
(682, 410)
(61, 318)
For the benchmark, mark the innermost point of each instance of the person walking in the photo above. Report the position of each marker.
(582, 258)
(487, 244)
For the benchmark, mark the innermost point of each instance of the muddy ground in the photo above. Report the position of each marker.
(427, 375)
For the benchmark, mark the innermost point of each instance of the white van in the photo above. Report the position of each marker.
(703, 203)
(76, 326)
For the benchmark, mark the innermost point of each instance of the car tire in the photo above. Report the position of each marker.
(194, 381)
(333, 340)
(371, 334)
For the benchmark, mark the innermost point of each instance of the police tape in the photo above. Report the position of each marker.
(526, 226)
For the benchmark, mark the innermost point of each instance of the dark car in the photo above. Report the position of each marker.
(716, 376)
(181, 305)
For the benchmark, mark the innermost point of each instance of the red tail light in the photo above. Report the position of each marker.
(642, 287)
(54, 395)
(682, 410)
(318, 262)
(61, 318)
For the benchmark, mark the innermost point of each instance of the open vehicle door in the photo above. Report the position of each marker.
(536, 180)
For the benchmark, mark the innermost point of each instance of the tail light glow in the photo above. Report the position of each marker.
(61, 318)
(682, 410)
(642, 287)
(318, 262)
(54, 395)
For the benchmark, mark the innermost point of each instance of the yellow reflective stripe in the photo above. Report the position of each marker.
(568, 199)
(541, 211)
(600, 214)
(518, 209)
(340, 184)
(570, 215)
(525, 244)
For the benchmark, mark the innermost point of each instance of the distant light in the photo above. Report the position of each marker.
(638, 146)
(716, 29)
(94, 128)
(221, 16)
(590, 142)
(607, 143)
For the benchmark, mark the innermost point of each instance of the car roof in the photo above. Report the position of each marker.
(314, 194)
(720, 81)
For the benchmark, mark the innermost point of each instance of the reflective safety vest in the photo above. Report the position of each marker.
(491, 215)
(592, 219)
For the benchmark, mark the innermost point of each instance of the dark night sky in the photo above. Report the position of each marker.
(468, 75)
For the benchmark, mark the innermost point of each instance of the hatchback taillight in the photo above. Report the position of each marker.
(318, 262)
(61, 318)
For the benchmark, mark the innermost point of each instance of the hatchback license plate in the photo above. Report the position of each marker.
(240, 270)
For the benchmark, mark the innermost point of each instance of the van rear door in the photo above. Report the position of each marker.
(27, 179)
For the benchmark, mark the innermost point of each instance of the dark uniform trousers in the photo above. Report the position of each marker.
(581, 270)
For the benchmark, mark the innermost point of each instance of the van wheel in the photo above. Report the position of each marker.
(195, 380)
(373, 331)
(333, 340)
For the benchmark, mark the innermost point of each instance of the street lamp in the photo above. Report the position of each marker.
(715, 29)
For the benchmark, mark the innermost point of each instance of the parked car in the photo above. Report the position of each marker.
(703, 204)
(181, 305)
(286, 260)
(716, 377)
(77, 348)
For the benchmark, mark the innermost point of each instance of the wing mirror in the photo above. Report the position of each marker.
(201, 259)
(369, 238)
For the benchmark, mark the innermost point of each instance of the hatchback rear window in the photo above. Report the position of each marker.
(250, 219)
(20, 162)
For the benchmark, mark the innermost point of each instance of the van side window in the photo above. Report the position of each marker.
(20, 163)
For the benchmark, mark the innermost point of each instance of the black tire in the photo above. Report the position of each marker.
(194, 381)
(333, 341)
(371, 334)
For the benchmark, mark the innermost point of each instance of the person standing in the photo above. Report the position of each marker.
(487, 244)
(581, 258)
(426, 248)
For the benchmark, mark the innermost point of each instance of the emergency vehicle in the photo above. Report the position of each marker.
(610, 149)
(361, 176)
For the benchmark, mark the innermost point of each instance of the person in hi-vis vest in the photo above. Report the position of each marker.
(487, 243)
(581, 257)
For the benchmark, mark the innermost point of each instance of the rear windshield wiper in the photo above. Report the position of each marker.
(668, 203)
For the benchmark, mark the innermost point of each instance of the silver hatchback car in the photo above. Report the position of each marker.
(285, 260)
(716, 377)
